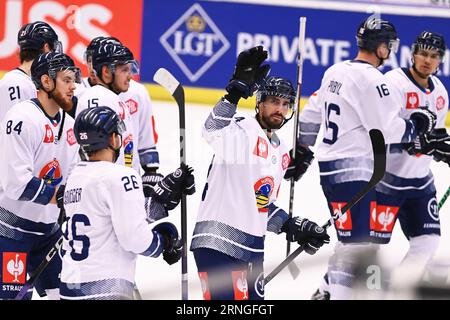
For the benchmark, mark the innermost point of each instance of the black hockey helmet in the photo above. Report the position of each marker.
(50, 63)
(374, 31)
(428, 40)
(96, 42)
(94, 126)
(112, 54)
(35, 34)
(277, 87)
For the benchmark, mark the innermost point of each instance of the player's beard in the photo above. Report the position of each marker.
(65, 103)
(420, 74)
(270, 122)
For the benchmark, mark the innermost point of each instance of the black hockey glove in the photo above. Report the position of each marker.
(442, 152)
(149, 179)
(60, 204)
(248, 74)
(427, 143)
(168, 191)
(297, 167)
(306, 233)
(173, 246)
(424, 120)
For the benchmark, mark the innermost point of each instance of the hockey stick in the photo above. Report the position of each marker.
(379, 168)
(444, 198)
(165, 79)
(294, 270)
(30, 283)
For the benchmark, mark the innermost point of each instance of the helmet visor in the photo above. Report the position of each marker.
(57, 46)
(393, 45)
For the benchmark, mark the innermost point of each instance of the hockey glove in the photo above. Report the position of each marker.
(173, 246)
(442, 152)
(427, 143)
(149, 179)
(306, 233)
(248, 74)
(60, 204)
(424, 120)
(298, 166)
(168, 191)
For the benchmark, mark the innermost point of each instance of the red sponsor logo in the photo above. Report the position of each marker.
(382, 218)
(122, 107)
(412, 100)
(440, 103)
(205, 286)
(240, 285)
(14, 267)
(49, 137)
(285, 161)
(132, 106)
(345, 221)
(75, 22)
(261, 148)
(71, 140)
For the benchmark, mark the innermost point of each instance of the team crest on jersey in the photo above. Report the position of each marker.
(240, 285)
(382, 218)
(440, 103)
(285, 161)
(433, 209)
(412, 100)
(263, 190)
(261, 148)
(51, 173)
(49, 137)
(345, 221)
(14, 267)
(128, 150)
(132, 106)
(71, 140)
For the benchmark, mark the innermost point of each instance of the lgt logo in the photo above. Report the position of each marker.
(194, 42)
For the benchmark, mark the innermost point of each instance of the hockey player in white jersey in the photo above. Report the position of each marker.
(16, 85)
(139, 105)
(243, 182)
(353, 98)
(114, 66)
(38, 147)
(407, 191)
(107, 224)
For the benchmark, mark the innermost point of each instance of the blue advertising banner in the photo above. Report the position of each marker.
(198, 41)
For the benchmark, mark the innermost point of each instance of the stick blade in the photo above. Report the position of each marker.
(379, 154)
(294, 270)
(165, 79)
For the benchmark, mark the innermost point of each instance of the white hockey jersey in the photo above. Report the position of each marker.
(246, 165)
(15, 86)
(36, 159)
(406, 173)
(101, 96)
(141, 111)
(353, 98)
(105, 231)
(140, 108)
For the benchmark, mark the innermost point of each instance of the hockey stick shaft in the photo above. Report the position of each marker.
(301, 44)
(444, 198)
(379, 152)
(168, 81)
(48, 258)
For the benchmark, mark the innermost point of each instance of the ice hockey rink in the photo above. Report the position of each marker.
(157, 280)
